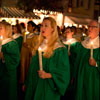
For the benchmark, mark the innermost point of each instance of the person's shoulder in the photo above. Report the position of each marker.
(7, 41)
(59, 45)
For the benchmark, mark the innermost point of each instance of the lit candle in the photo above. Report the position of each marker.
(1, 38)
(69, 43)
(84, 34)
(40, 58)
(91, 50)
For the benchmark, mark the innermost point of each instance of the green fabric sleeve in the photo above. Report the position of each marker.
(11, 55)
(60, 71)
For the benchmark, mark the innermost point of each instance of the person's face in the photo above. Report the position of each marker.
(2, 30)
(93, 29)
(46, 29)
(30, 28)
(68, 32)
(15, 29)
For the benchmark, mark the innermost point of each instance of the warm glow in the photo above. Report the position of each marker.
(39, 49)
(1, 37)
(84, 34)
(26, 33)
(69, 41)
(80, 26)
(91, 43)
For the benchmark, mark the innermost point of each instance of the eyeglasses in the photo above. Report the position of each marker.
(92, 26)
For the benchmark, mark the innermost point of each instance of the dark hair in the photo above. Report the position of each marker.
(32, 23)
(22, 24)
(72, 30)
(18, 28)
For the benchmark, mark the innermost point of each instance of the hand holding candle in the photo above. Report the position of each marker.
(40, 58)
(91, 50)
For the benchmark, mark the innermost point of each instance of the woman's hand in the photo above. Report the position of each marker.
(42, 74)
(92, 62)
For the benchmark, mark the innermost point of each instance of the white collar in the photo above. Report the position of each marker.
(70, 41)
(16, 35)
(6, 41)
(43, 46)
(87, 43)
(30, 35)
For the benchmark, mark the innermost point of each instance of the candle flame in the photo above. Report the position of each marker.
(91, 43)
(1, 37)
(69, 41)
(39, 49)
(26, 33)
(84, 34)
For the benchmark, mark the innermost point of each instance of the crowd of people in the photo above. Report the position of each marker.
(70, 61)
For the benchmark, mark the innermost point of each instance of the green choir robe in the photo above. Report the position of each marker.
(8, 82)
(50, 88)
(19, 39)
(88, 77)
(73, 53)
(69, 95)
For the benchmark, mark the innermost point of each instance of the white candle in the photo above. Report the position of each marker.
(40, 58)
(91, 50)
(1, 38)
(69, 43)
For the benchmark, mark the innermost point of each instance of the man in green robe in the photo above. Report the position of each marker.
(88, 66)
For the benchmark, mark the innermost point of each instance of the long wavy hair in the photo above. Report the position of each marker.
(8, 29)
(52, 41)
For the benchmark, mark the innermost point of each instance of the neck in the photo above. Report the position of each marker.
(48, 38)
(69, 37)
(93, 37)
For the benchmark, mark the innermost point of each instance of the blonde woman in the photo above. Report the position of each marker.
(51, 82)
(9, 60)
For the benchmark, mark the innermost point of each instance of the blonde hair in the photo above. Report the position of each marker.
(54, 37)
(8, 29)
